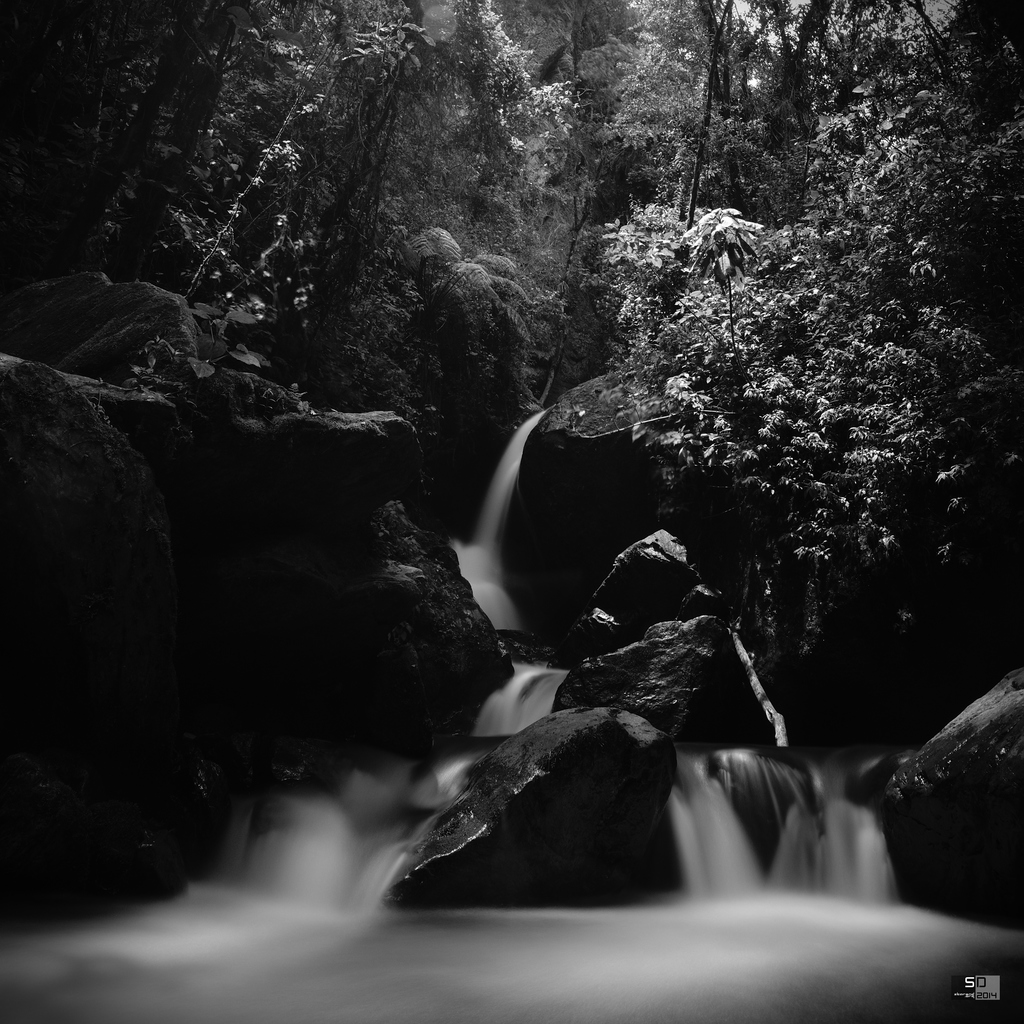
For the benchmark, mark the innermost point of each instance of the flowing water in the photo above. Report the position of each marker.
(785, 909)
(480, 559)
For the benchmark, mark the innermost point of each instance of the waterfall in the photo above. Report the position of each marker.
(526, 698)
(339, 849)
(743, 820)
(481, 558)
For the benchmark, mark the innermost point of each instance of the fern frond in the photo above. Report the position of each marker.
(496, 264)
(508, 291)
(473, 275)
(434, 242)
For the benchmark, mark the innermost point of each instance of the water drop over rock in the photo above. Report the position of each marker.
(559, 812)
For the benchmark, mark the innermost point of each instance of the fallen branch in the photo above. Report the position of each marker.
(777, 721)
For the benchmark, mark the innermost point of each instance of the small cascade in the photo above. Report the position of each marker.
(715, 854)
(339, 850)
(745, 820)
(526, 698)
(481, 559)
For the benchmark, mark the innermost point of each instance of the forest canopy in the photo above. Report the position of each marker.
(795, 229)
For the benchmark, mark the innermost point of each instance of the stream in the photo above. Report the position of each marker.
(785, 907)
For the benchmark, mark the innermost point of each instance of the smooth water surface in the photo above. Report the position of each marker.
(218, 956)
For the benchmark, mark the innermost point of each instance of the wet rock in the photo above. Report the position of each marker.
(562, 811)
(284, 636)
(240, 755)
(44, 828)
(83, 323)
(646, 584)
(585, 485)
(525, 648)
(954, 813)
(704, 600)
(203, 801)
(865, 783)
(130, 856)
(298, 761)
(86, 581)
(685, 678)
(270, 465)
(458, 654)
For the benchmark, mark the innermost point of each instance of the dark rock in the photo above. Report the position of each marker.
(397, 717)
(525, 648)
(646, 584)
(86, 581)
(285, 635)
(268, 464)
(83, 323)
(131, 857)
(704, 600)
(954, 813)
(585, 485)
(866, 785)
(459, 657)
(562, 811)
(240, 755)
(685, 678)
(201, 788)
(298, 761)
(44, 828)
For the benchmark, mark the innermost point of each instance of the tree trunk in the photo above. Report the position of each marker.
(127, 150)
(198, 95)
(698, 163)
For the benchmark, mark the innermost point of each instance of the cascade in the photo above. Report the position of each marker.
(481, 558)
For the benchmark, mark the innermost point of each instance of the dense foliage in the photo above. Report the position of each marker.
(798, 227)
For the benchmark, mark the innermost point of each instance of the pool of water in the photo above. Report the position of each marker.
(220, 955)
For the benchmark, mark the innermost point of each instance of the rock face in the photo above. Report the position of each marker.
(647, 583)
(458, 656)
(282, 637)
(82, 323)
(50, 839)
(685, 678)
(561, 811)
(267, 465)
(87, 588)
(954, 813)
(586, 487)
(704, 600)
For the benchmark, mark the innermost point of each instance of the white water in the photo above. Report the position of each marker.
(817, 839)
(526, 698)
(481, 559)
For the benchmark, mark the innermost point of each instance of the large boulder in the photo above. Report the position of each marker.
(83, 323)
(263, 462)
(685, 678)
(562, 811)
(283, 636)
(586, 487)
(51, 839)
(954, 813)
(44, 828)
(459, 655)
(647, 584)
(372, 637)
(87, 587)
